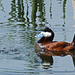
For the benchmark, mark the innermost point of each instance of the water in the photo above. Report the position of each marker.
(20, 21)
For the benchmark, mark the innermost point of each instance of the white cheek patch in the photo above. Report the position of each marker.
(47, 34)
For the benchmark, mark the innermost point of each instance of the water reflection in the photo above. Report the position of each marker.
(73, 57)
(47, 56)
(34, 10)
(64, 8)
(27, 14)
(38, 7)
(20, 24)
(17, 11)
(35, 14)
(73, 2)
(2, 8)
(20, 13)
(51, 9)
(47, 61)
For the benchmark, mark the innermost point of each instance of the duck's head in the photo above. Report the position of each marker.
(46, 35)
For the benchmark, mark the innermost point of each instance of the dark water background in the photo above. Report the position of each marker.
(20, 21)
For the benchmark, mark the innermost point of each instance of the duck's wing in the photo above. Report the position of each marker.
(55, 45)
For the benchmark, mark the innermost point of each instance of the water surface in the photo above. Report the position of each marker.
(20, 21)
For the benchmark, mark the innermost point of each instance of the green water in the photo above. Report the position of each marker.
(20, 21)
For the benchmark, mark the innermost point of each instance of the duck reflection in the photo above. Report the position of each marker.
(47, 56)
(47, 61)
(73, 57)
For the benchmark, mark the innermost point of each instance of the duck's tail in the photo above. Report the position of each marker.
(74, 40)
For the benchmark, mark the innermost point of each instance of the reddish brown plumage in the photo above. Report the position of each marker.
(50, 45)
(58, 46)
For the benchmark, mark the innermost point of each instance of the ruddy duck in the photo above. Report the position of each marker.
(46, 42)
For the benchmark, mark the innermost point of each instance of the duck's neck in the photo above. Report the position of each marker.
(45, 39)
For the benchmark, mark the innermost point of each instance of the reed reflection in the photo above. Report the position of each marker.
(38, 6)
(17, 11)
(20, 6)
(51, 9)
(64, 2)
(1, 5)
(42, 11)
(73, 3)
(27, 13)
(34, 10)
(64, 6)
(37, 13)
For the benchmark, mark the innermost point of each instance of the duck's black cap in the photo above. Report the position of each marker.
(47, 29)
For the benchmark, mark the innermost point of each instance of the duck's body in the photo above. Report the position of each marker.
(58, 46)
(47, 42)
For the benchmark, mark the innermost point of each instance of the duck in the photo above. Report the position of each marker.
(46, 42)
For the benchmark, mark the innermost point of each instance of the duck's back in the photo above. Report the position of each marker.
(57, 46)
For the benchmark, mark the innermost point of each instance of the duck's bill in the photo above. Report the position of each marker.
(40, 35)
